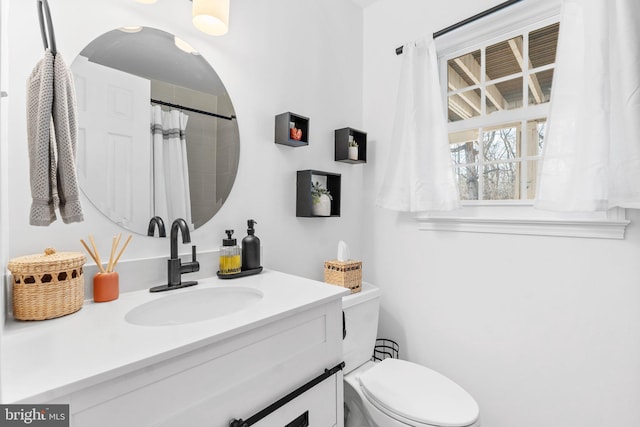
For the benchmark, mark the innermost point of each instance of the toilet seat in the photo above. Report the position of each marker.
(417, 395)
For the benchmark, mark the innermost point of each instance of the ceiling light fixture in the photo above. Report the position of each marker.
(211, 16)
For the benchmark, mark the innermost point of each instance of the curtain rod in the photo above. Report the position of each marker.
(468, 21)
(193, 110)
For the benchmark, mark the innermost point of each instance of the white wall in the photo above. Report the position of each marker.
(281, 55)
(552, 339)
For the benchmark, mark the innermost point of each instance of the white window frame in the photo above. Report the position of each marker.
(513, 216)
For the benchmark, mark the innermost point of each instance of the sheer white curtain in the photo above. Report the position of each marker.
(592, 150)
(172, 198)
(419, 174)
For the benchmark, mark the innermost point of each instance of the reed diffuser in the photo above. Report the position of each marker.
(106, 282)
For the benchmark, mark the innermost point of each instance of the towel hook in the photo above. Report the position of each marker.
(50, 42)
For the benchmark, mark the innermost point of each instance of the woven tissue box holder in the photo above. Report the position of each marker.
(47, 285)
(347, 274)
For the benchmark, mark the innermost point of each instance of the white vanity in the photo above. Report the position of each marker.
(124, 363)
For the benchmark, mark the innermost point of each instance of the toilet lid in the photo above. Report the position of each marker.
(418, 394)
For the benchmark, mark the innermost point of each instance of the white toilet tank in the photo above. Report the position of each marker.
(361, 324)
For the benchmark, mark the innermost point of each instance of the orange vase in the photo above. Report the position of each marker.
(106, 286)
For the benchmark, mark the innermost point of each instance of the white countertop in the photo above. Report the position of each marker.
(42, 360)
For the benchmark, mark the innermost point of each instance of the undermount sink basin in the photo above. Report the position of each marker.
(193, 306)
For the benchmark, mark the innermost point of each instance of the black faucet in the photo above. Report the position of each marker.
(175, 267)
(154, 222)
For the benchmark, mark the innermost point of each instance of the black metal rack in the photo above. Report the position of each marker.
(384, 349)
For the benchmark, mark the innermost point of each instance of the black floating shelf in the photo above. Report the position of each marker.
(342, 138)
(303, 194)
(284, 123)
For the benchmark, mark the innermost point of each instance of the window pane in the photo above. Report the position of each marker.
(464, 105)
(466, 152)
(542, 46)
(501, 181)
(504, 96)
(502, 143)
(540, 87)
(535, 136)
(504, 58)
(463, 71)
(464, 146)
(467, 178)
(463, 136)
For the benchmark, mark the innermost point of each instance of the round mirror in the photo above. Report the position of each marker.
(157, 132)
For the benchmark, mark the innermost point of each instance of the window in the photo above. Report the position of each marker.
(497, 103)
(497, 75)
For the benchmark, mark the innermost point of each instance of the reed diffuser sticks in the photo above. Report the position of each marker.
(113, 258)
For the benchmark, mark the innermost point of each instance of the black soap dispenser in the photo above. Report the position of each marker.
(251, 249)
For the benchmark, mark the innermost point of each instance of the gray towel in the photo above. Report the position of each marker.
(65, 124)
(42, 168)
(52, 140)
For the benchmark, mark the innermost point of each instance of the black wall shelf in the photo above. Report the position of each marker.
(303, 191)
(283, 133)
(342, 145)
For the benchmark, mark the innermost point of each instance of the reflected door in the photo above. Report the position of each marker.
(114, 135)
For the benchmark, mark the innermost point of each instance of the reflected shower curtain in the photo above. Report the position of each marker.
(591, 159)
(172, 196)
(419, 175)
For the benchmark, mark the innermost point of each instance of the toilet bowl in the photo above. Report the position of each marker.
(393, 392)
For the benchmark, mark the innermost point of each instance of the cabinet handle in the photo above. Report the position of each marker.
(288, 398)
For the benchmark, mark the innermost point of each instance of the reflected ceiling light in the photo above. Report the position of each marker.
(211, 16)
(147, 1)
(184, 46)
(132, 29)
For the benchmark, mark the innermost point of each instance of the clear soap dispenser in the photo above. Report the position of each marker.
(230, 258)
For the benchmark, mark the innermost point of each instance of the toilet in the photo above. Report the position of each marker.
(393, 392)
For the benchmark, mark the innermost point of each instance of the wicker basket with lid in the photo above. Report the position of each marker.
(47, 285)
